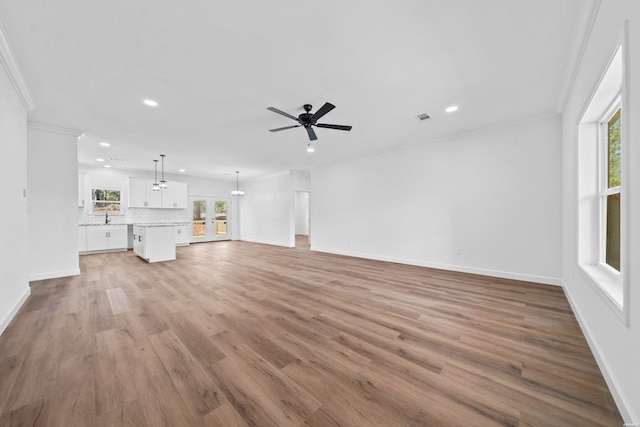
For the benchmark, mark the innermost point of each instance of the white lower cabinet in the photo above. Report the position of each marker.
(182, 235)
(102, 238)
(82, 238)
(155, 243)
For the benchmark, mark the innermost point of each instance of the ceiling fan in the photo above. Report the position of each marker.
(307, 119)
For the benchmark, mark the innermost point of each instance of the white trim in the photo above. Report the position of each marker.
(625, 206)
(449, 267)
(51, 128)
(613, 290)
(623, 404)
(9, 317)
(582, 28)
(268, 242)
(13, 72)
(609, 288)
(54, 274)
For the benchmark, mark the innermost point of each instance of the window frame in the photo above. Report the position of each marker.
(612, 286)
(604, 189)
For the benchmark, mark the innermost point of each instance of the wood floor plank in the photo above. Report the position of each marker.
(9, 369)
(197, 387)
(243, 334)
(118, 300)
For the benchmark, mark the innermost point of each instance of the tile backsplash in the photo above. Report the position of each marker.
(136, 215)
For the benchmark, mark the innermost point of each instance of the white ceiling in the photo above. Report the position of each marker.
(214, 68)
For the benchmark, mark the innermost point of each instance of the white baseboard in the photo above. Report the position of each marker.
(450, 267)
(619, 397)
(268, 242)
(9, 317)
(54, 274)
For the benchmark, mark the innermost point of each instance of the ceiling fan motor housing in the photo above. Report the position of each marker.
(306, 119)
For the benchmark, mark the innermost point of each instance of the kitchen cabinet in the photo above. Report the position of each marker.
(141, 195)
(155, 243)
(175, 195)
(182, 235)
(82, 239)
(102, 238)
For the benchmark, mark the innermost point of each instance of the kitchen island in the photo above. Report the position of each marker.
(155, 242)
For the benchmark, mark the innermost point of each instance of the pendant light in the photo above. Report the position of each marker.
(155, 186)
(163, 183)
(237, 192)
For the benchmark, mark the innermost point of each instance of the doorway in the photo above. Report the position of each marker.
(210, 220)
(302, 219)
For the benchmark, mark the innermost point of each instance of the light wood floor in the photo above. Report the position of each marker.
(237, 334)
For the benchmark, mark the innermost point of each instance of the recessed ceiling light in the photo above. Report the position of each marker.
(99, 160)
(107, 166)
(105, 144)
(182, 170)
(451, 109)
(150, 102)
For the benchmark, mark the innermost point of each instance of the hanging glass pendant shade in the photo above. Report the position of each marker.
(155, 186)
(237, 191)
(163, 182)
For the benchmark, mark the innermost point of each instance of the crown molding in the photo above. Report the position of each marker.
(13, 72)
(51, 128)
(582, 27)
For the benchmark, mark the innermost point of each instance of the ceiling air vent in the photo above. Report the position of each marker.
(423, 116)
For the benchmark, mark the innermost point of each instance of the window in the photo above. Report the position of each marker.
(105, 201)
(610, 191)
(601, 189)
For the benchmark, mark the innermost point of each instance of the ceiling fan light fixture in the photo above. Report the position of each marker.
(310, 149)
(307, 120)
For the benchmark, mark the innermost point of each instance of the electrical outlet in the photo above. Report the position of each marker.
(458, 251)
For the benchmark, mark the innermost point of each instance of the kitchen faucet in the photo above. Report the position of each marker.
(106, 218)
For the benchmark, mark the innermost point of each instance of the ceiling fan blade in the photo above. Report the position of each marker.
(286, 127)
(338, 127)
(312, 134)
(322, 111)
(275, 110)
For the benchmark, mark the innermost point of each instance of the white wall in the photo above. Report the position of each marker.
(266, 211)
(301, 208)
(494, 197)
(616, 346)
(14, 103)
(52, 176)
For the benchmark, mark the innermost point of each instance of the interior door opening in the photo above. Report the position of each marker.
(302, 219)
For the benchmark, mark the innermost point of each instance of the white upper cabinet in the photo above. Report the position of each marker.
(175, 195)
(141, 194)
